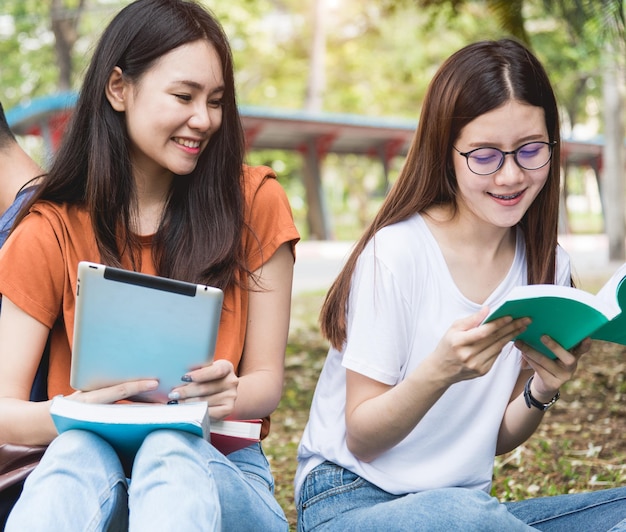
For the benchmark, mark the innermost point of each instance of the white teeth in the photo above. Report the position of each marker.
(509, 197)
(187, 143)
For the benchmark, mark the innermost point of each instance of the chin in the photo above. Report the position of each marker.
(186, 170)
(509, 224)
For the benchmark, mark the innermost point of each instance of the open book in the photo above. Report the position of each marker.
(568, 315)
(125, 426)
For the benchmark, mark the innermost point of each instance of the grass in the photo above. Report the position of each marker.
(580, 445)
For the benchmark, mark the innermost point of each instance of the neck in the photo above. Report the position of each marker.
(478, 257)
(152, 193)
(16, 170)
(469, 236)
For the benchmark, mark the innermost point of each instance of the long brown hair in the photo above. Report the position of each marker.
(473, 81)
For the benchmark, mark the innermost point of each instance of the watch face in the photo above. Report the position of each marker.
(552, 401)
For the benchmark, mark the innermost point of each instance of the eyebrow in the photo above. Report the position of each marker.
(528, 138)
(198, 86)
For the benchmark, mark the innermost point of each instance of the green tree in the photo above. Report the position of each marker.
(25, 40)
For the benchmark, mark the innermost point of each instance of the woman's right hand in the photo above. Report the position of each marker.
(469, 347)
(118, 392)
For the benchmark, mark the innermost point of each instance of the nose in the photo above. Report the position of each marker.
(510, 172)
(201, 118)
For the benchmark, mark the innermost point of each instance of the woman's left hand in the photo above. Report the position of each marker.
(216, 384)
(551, 374)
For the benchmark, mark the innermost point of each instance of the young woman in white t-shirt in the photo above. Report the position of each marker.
(417, 395)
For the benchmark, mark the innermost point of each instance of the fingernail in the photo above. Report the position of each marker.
(186, 378)
(174, 396)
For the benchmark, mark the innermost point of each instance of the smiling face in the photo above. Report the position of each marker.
(172, 111)
(500, 199)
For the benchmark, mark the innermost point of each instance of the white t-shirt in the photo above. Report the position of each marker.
(402, 301)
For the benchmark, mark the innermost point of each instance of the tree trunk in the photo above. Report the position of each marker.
(317, 70)
(64, 22)
(613, 156)
(317, 215)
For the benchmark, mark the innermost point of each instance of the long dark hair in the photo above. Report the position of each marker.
(473, 81)
(199, 237)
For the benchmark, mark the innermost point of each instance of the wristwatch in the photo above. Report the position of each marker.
(531, 401)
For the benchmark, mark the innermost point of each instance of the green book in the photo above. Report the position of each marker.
(567, 314)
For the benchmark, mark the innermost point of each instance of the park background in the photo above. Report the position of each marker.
(373, 60)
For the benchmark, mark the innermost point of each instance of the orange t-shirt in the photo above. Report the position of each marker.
(39, 261)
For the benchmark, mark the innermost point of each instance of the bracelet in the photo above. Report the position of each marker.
(531, 401)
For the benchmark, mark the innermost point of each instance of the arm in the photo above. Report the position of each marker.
(380, 416)
(22, 341)
(262, 365)
(257, 390)
(519, 421)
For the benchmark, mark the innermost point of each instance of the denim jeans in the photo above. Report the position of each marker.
(332, 498)
(179, 482)
(594, 511)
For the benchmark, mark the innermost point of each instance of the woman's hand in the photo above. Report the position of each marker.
(216, 384)
(519, 420)
(118, 392)
(551, 374)
(469, 348)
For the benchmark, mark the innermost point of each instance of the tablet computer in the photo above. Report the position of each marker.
(130, 326)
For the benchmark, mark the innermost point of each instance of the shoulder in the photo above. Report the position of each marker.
(264, 195)
(413, 228)
(59, 213)
(256, 179)
(404, 243)
(254, 176)
(268, 216)
(53, 224)
(401, 254)
(261, 189)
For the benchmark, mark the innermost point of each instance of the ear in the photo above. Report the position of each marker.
(116, 90)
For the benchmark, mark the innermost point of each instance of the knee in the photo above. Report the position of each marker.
(164, 442)
(79, 456)
(74, 443)
(168, 445)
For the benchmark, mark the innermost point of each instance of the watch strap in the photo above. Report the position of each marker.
(531, 401)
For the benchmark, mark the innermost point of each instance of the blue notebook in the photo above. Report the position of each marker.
(125, 426)
(131, 326)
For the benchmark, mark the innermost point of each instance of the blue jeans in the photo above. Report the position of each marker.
(179, 482)
(594, 511)
(333, 498)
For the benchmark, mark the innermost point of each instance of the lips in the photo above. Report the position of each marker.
(194, 144)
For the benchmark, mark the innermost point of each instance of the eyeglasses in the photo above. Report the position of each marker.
(529, 156)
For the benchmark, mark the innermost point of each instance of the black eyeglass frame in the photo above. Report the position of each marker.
(514, 153)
